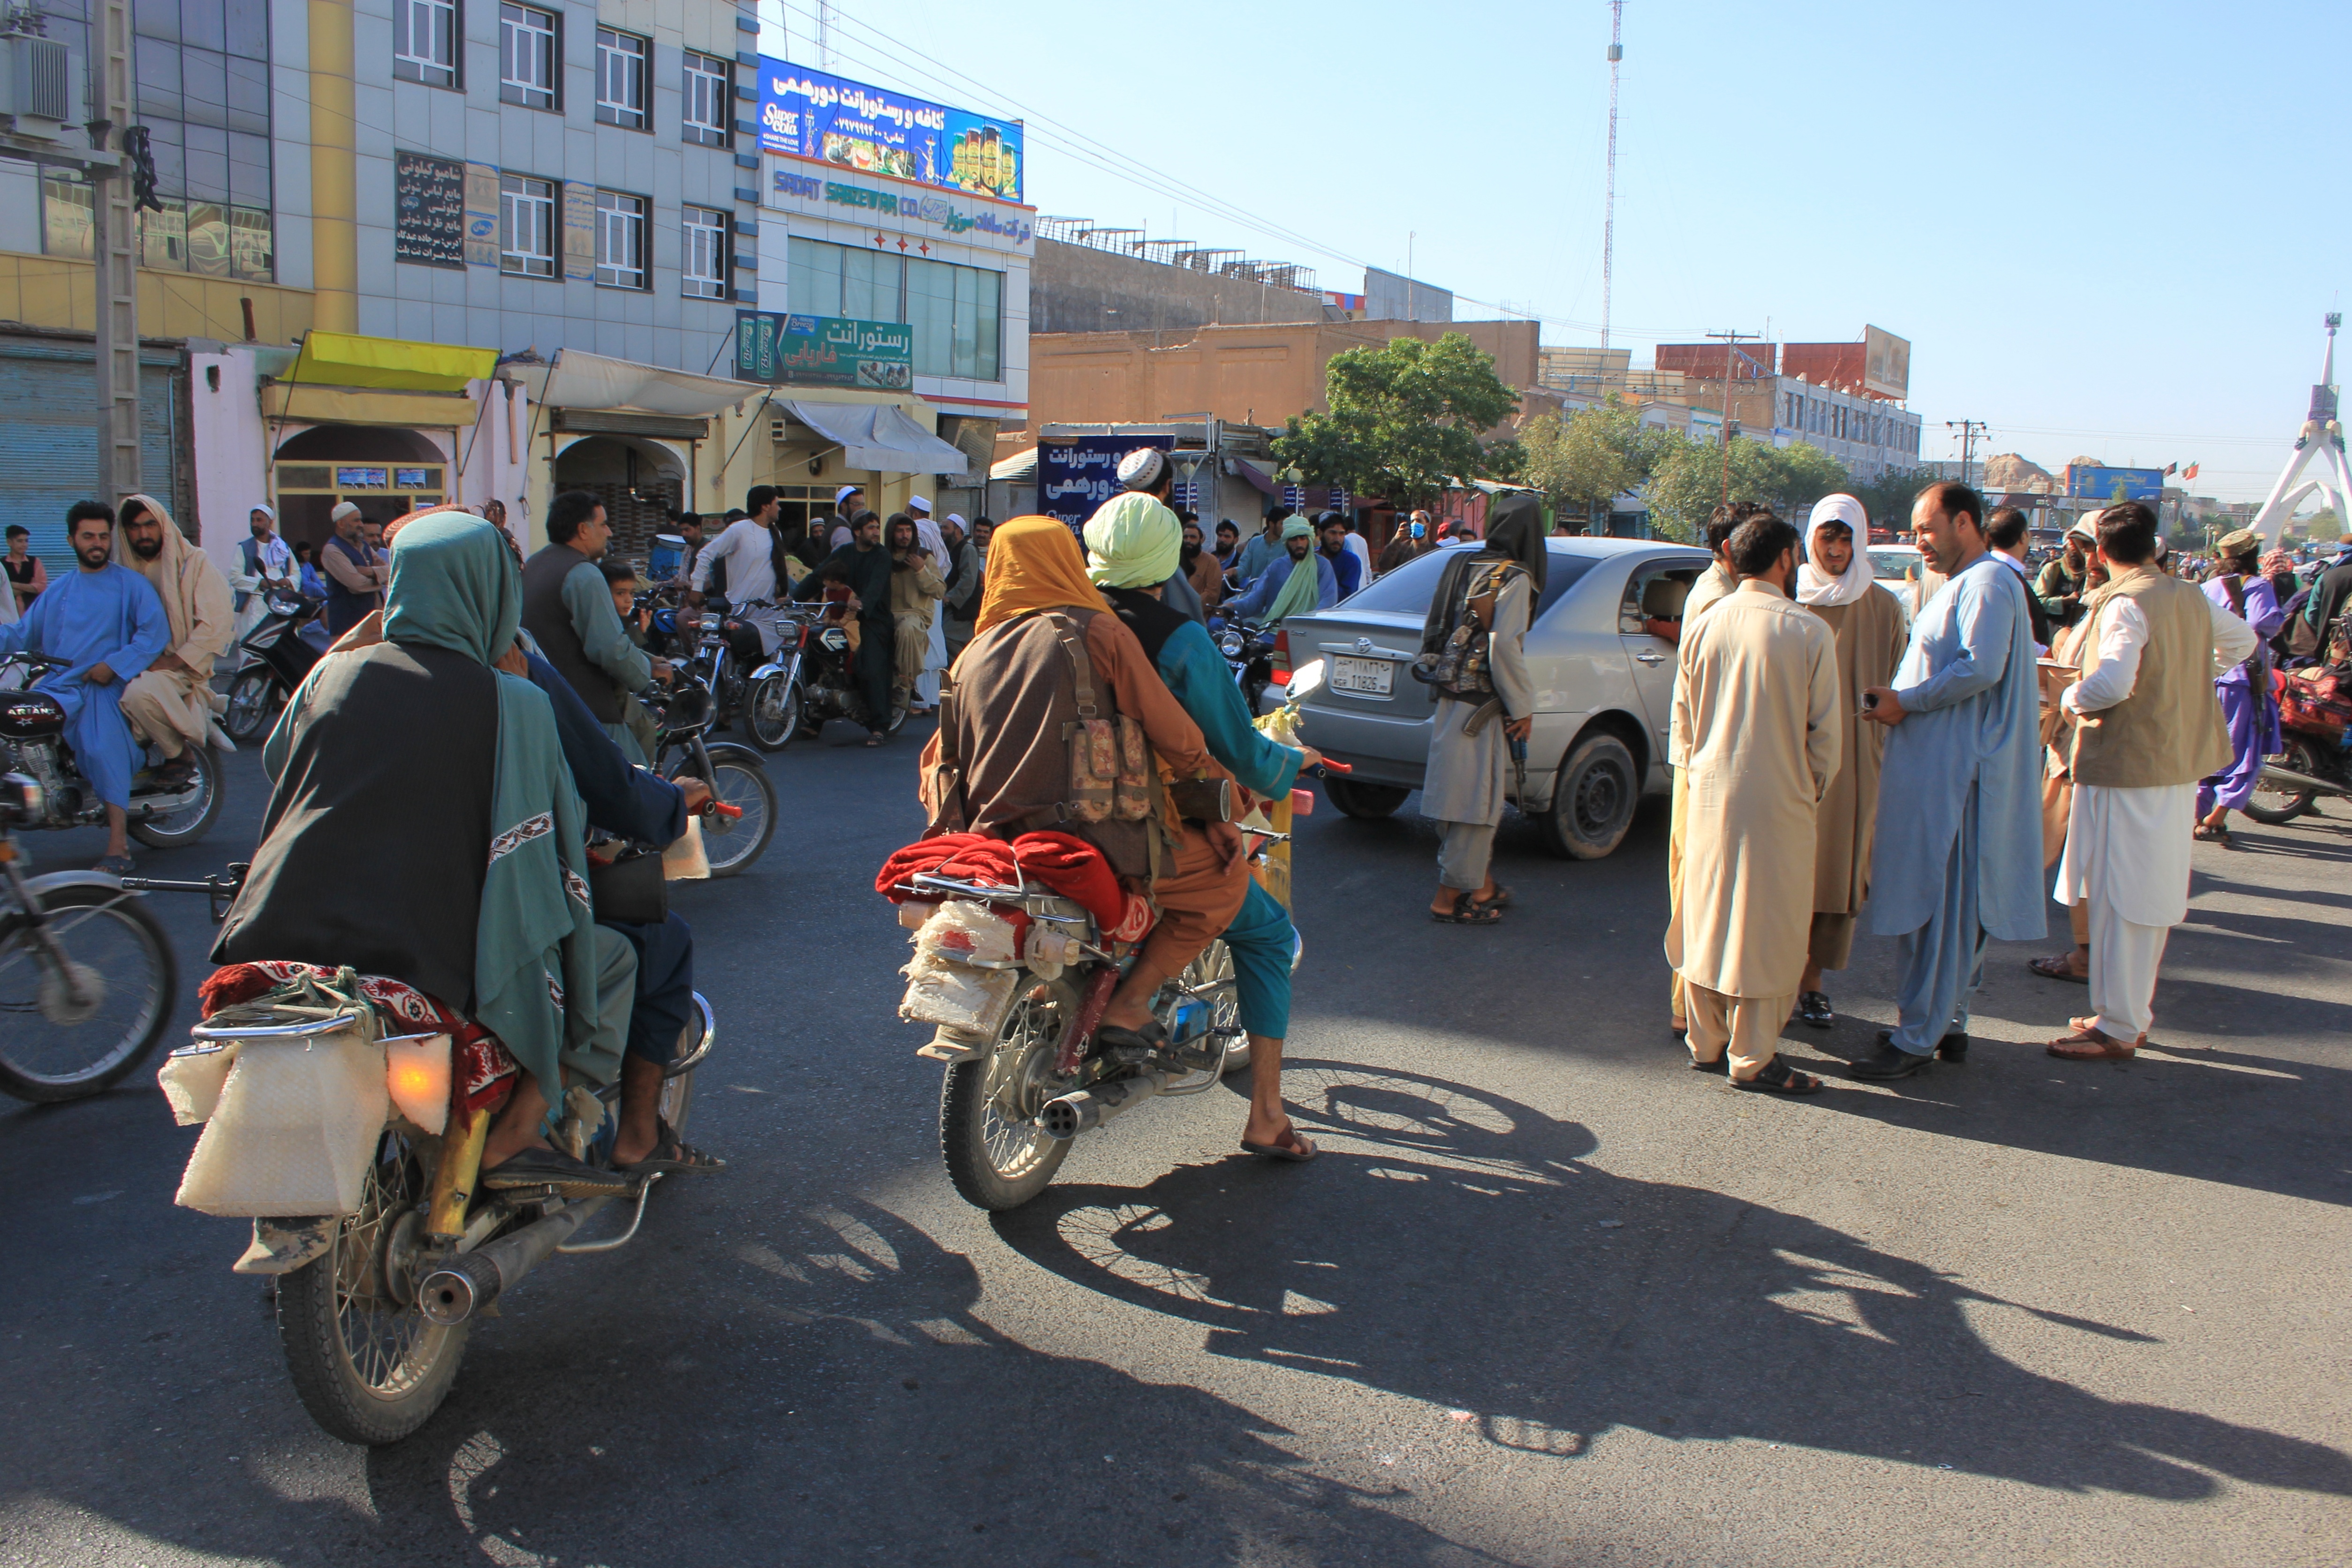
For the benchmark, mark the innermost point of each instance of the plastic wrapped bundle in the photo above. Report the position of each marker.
(295, 1129)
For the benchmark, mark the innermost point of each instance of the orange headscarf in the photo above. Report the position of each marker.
(1034, 563)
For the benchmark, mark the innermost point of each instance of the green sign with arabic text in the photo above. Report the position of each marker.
(824, 352)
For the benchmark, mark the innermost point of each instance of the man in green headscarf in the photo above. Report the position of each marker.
(1302, 581)
(424, 826)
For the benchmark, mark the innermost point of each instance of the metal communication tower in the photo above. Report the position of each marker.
(1609, 219)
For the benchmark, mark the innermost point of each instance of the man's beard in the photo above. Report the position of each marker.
(147, 551)
(1189, 554)
(94, 556)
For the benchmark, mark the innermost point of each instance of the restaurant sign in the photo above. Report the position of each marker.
(824, 352)
(812, 114)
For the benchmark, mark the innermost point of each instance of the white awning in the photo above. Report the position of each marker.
(577, 379)
(877, 435)
(1019, 467)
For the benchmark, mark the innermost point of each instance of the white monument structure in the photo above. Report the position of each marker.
(2322, 437)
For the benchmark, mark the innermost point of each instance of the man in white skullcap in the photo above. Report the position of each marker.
(847, 502)
(935, 659)
(356, 572)
(264, 564)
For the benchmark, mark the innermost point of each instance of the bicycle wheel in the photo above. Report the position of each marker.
(61, 1041)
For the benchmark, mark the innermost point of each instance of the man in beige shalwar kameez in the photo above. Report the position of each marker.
(1754, 718)
(1836, 584)
(170, 704)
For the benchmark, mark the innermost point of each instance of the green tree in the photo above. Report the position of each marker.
(1888, 498)
(1686, 482)
(1405, 420)
(1588, 456)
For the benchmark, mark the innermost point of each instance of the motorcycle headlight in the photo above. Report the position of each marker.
(1230, 644)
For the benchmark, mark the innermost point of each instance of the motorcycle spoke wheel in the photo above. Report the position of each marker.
(369, 1366)
(192, 812)
(253, 707)
(1216, 965)
(775, 715)
(733, 843)
(63, 1042)
(2275, 805)
(997, 1156)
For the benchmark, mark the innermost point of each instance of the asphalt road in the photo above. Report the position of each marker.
(1549, 1296)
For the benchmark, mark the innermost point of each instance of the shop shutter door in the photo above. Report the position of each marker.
(48, 458)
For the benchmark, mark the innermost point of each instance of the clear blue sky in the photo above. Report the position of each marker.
(2094, 221)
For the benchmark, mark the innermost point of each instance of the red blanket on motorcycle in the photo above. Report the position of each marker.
(1063, 862)
(484, 1070)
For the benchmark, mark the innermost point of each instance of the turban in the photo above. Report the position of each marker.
(1133, 541)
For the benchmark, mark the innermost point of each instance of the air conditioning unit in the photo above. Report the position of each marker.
(41, 89)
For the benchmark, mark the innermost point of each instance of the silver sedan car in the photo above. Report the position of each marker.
(1601, 649)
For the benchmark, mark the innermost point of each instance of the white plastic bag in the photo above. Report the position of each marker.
(192, 1078)
(966, 931)
(957, 996)
(295, 1129)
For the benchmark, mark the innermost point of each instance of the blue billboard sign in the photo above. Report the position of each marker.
(2084, 483)
(1079, 473)
(812, 114)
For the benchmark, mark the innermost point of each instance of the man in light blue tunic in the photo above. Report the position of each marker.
(108, 625)
(1959, 856)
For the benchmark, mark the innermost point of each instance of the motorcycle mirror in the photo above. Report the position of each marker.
(1307, 679)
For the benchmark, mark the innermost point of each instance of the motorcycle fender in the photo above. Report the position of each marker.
(727, 750)
(282, 1246)
(37, 885)
(764, 671)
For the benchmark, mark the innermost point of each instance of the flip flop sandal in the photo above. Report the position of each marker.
(673, 1155)
(2085, 1046)
(1467, 911)
(2059, 967)
(2211, 835)
(1288, 1151)
(1777, 1078)
(549, 1168)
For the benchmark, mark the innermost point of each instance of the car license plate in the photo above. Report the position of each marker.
(1365, 677)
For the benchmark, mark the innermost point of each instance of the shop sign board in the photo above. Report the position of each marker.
(813, 114)
(428, 221)
(1885, 363)
(824, 352)
(846, 199)
(1077, 474)
(2086, 483)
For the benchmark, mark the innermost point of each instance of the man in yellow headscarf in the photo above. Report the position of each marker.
(170, 704)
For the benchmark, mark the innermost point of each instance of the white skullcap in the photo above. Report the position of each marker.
(922, 501)
(1142, 468)
(957, 518)
(845, 492)
(344, 509)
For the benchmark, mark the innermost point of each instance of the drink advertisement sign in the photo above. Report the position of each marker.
(808, 113)
(824, 352)
(1079, 473)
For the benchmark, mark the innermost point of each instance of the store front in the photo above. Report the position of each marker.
(385, 472)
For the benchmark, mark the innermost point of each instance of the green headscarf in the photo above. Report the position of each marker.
(454, 586)
(1133, 541)
(1304, 585)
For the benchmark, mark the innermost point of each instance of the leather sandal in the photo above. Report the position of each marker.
(2087, 1044)
(1779, 1078)
(1468, 910)
(2057, 967)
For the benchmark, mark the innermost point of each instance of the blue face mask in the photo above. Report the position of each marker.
(1418, 529)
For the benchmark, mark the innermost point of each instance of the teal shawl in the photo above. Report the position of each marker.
(454, 586)
(1304, 586)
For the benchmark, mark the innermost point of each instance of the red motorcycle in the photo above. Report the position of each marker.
(2314, 720)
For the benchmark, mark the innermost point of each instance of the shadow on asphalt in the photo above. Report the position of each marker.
(1402, 1263)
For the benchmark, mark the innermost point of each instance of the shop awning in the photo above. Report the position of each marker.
(392, 364)
(877, 435)
(1017, 467)
(576, 380)
(1258, 474)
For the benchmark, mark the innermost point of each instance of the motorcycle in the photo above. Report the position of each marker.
(87, 976)
(1014, 1003)
(355, 1152)
(686, 711)
(32, 743)
(279, 652)
(813, 681)
(2313, 759)
(1249, 650)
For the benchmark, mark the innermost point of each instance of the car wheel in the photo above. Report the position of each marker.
(1370, 802)
(1592, 802)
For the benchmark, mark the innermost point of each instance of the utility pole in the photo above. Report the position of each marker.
(824, 35)
(1609, 213)
(1970, 429)
(113, 242)
(1731, 342)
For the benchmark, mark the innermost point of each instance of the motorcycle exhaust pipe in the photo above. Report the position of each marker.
(1066, 1117)
(472, 1281)
(2288, 779)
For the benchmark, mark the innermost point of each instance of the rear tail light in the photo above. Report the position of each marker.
(1281, 675)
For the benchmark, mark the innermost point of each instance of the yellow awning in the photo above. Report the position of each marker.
(348, 359)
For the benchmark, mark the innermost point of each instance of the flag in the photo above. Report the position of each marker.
(2189, 472)
(2170, 469)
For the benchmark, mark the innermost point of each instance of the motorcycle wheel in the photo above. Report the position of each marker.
(732, 845)
(369, 1368)
(1214, 964)
(187, 823)
(254, 702)
(997, 1156)
(51, 1051)
(2274, 807)
(773, 713)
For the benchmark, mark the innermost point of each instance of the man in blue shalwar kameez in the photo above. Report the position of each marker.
(1958, 857)
(108, 625)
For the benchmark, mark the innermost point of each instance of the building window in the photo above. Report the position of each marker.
(65, 221)
(527, 57)
(526, 226)
(620, 79)
(709, 100)
(705, 267)
(957, 312)
(620, 240)
(425, 41)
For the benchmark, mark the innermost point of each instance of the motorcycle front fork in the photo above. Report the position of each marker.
(37, 920)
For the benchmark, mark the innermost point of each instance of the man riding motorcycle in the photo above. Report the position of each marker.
(424, 826)
(1134, 548)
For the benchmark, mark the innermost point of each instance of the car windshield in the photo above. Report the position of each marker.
(1892, 563)
(1407, 589)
